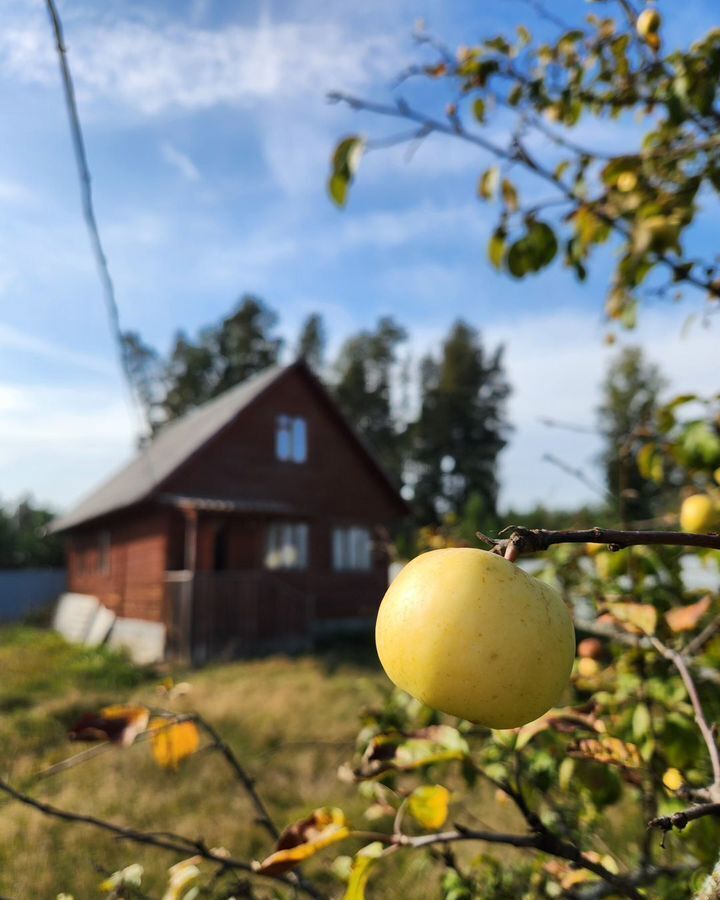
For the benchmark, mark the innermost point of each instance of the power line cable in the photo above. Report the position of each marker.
(108, 286)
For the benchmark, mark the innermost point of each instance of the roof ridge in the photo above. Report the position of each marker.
(168, 450)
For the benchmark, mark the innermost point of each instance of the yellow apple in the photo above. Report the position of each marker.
(588, 667)
(473, 635)
(648, 22)
(697, 514)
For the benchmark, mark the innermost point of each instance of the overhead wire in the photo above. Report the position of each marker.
(143, 424)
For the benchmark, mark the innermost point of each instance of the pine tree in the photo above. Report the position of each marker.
(461, 428)
(630, 398)
(365, 370)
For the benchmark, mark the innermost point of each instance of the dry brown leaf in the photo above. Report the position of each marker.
(685, 618)
(117, 724)
(304, 839)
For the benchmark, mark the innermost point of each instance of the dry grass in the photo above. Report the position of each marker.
(291, 721)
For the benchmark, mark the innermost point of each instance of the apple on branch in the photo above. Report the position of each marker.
(471, 634)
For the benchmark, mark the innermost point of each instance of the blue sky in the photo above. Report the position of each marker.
(208, 135)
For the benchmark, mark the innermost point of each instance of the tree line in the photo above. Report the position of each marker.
(437, 424)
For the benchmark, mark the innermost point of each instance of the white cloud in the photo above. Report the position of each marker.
(14, 339)
(556, 362)
(15, 193)
(60, 441)
(180, 161)
(156, 67)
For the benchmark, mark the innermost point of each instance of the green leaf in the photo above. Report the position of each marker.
(515, 95)
(517, 259)
(488, 183)
(510, 195)
(428, 805)
(345, 163)
(348, 154)
(338, 189)
(641, 722)
(561, 168)
(496, 247)
(524, 35)
(650, 463)
(628, 317)
(360, 871)
(543, 244)
(479, 109)
(701, 444)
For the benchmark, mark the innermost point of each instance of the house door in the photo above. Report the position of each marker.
(220, 549)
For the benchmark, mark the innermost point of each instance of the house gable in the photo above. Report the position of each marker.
(339, 478)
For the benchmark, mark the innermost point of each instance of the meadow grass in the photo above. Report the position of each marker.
(291, 721)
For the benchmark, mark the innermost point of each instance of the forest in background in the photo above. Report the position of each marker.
(437, 422)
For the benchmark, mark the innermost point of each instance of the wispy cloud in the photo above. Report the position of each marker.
(14, 339)
(180, 161)
(155, 67)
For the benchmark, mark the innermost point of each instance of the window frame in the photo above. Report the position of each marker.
(282, 537)
(291, 441)
(351, 548)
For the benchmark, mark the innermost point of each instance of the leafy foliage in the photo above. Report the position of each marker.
(24, 538)
(515, 93)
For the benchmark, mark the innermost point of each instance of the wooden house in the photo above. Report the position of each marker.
(257, 520)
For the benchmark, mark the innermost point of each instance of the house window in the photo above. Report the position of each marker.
(351, 549)
(103, 551)
(291, 439)
(287, 546)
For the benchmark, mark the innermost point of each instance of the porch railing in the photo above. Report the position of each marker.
(230, 614)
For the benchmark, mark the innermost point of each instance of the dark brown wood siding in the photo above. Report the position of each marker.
(130, 580)
(336, 481)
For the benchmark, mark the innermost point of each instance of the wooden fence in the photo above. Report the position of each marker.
(230, 614)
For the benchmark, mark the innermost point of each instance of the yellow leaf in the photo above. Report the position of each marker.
(685, 618)
(637, 618)
(510, 195)
(305, 838)
(360, 871)
(173, 742)
(610, 751)
(672, 779)
(184, 877)
(428, 805)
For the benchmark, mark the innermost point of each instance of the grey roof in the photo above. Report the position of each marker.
(175, 443)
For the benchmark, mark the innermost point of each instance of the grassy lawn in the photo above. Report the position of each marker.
(291, 722)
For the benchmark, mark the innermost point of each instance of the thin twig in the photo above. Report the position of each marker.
(678, 661)
(699, 641)
(517, 153)
(263, 815)
(175, 843)
(535, 540)
(577, 473)
(544, 842)
(680, 819)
